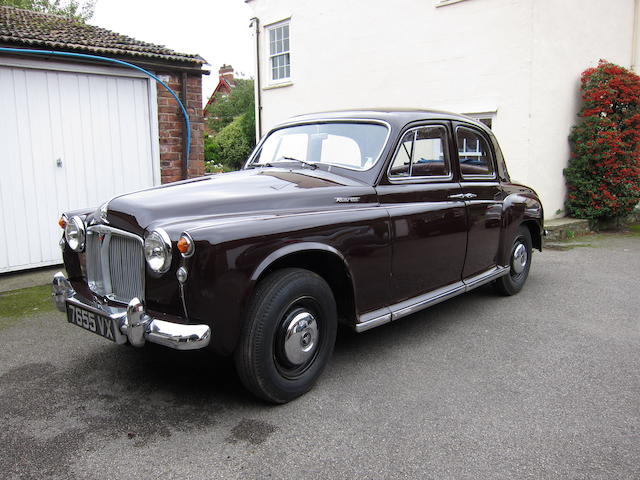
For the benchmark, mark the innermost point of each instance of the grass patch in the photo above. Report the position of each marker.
(26, 301)
(634, 229)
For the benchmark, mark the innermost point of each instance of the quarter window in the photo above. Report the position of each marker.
(422, 153)
(279, 58)
(474, 154)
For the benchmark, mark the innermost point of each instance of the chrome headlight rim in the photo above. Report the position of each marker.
(75, 233)
(164, 243)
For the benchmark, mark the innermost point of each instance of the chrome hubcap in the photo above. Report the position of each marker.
(301, 337)
(519, 260)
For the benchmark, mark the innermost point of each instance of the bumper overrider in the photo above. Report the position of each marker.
(133, 324)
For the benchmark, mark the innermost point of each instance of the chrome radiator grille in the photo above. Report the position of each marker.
(115, 263)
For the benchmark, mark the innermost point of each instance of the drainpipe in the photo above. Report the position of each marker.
(635, 48)
(185, 132)
(255, 23)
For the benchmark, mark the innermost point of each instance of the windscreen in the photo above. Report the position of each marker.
(356, 146)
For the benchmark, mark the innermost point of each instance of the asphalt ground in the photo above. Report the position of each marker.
(544, 384)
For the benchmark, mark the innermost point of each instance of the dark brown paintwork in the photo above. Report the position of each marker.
(396, 241)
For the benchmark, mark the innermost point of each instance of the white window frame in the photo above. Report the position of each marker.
(444, 3)
(270, 56)
(479, 116)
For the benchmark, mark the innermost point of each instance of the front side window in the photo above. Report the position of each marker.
(474, 154)
(422, 153)
(279, 58)
(356, 146)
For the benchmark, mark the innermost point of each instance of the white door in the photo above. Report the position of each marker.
(68, 139)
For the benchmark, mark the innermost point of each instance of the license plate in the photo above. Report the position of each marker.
(94, 322)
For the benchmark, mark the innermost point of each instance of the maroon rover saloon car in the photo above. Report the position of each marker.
(359, 217)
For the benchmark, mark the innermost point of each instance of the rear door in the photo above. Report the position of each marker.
(483, 197)
(428, 217)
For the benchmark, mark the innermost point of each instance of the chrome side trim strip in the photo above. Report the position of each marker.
(394, 312)
(415, 304)
(485, 277)
(373, 319)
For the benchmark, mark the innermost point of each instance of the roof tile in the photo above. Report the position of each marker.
(35, 29)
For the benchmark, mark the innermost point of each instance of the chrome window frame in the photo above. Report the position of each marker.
(422, 178)
(494, 173)
(324, 121)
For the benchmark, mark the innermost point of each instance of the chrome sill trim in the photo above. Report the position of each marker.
(373, 319)
(416, 304)
(381, 316)
(485, 277)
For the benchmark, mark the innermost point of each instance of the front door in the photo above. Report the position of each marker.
(428, 217)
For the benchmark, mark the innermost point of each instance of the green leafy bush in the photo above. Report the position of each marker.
(603, 175)
(230, 147)
(80, 11)
(232, 124)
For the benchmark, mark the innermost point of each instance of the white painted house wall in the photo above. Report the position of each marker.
(71, 136)
(518, 60)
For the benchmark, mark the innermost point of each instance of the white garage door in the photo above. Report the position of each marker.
(70, 138)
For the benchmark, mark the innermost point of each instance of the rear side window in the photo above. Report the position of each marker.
(422, 153)
(474, 154)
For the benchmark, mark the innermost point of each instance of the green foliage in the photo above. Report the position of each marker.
(232, 123)
(230, 147)
(226, 108)
(74, 9)
(603, 175)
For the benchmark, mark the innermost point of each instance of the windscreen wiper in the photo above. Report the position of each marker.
(304, 162)
(312, 165)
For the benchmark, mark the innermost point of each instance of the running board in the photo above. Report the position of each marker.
(384, 315)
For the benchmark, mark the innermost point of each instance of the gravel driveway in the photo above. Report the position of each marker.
(545, 384)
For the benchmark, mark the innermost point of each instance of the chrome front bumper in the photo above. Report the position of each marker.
(134, 324)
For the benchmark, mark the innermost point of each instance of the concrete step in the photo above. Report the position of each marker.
(565, 228)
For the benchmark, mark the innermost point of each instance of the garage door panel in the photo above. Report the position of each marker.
(26, 189)
(73, 156)
(97, 125)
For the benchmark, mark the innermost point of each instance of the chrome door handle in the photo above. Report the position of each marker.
(461, 196)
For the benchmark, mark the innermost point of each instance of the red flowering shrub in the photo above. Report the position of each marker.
(603, 175)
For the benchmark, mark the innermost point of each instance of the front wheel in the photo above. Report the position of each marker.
(519, 264)
(288, 335)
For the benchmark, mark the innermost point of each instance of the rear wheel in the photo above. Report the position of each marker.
(519, 264)
(288, 336)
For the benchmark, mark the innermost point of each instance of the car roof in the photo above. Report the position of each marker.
(397, 117)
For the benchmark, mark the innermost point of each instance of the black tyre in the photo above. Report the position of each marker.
(519, 263)
(288, 336)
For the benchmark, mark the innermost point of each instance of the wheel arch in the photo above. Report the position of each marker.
(323, 260)
(535, 231)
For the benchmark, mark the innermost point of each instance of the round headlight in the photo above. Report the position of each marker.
(157, 251)
(74, 234)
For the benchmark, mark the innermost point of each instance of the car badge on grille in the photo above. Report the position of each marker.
(101, 238)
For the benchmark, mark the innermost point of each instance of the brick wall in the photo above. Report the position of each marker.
(170, 126)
